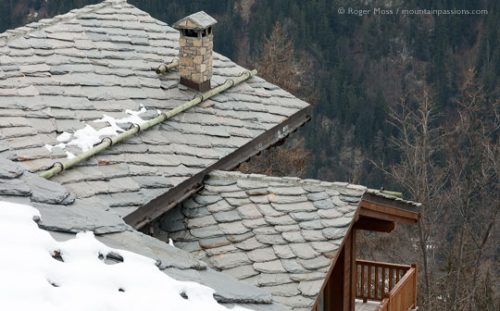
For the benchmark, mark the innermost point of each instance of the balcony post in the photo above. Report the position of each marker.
(415, 280)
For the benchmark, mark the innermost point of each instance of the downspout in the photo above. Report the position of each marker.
(107, 142)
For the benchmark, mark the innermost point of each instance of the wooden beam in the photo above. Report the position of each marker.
(335, 285)
(354, 271)
(346, 277)
(158, 206)
(387, 213)
(395, 202)
(371, 224)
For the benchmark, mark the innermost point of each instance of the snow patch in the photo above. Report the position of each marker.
(88, 136)
(49, 147)
(40, 273)
(70, 155)
(64, 137)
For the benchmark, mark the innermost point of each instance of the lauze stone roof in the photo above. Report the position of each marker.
(63, 216)
(62, 74)
(280, 234)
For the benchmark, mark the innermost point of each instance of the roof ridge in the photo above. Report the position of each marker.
(311, 182)
(288, 179)
(12, 34)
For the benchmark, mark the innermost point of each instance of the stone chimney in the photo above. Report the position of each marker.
(195, 50)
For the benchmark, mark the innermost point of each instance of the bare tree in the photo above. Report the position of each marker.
(472, 157)
(451, 166)
(281, 65)
(419, 141)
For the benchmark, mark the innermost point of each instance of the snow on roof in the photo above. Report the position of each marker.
(40, 273)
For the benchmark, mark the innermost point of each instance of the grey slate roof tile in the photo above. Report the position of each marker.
(262, 254)
(63, 218)
(310, 288)
(236, 238)
(249, 244)
(249, 211)
(293, 236)
(293, 230)
(61, 73)
(283, 251)
(230, 260)
(58, 74)
(241, 272)
(269, 267)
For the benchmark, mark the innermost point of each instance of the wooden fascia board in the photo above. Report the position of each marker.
(161, 204)
(387, 213)
(349, 233)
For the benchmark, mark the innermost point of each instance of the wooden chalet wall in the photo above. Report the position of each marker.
(375, 214)
(340, 289)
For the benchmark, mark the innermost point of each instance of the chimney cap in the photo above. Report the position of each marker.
(196, 21)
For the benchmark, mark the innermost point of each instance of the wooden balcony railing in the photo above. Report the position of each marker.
(394, 285)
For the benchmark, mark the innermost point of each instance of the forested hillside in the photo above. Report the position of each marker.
(407, 102)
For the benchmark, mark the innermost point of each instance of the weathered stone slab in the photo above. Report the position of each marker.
(295, 207)
(303, 216)
(274, 266)
(283, 251)
(249, 211)
(285, 290)
(287, 190)
(271, 239)
(310, 288)
(324, 247)
(233, 228)
(228, 216)
(303, 250)
(280, 220)
(201, 222)
(337, 222)
(293, 266)
(324, 204)
(219, 206)
(249, 244)
(311, 224)
(242, 272)
(312, 235)
(293, 237)
(214, 242)
(315, 263)
(207, 232)
(231, 260)
(329, 213)
(316, 196)
(334, 233)
(262, 254)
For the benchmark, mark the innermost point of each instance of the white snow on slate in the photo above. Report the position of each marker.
(88, 136)
(40, 273)
(64, 137)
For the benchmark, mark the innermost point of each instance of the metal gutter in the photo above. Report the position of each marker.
(107, 142)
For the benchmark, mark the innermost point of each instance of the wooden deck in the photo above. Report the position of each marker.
(393, 286)
(368, 306)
